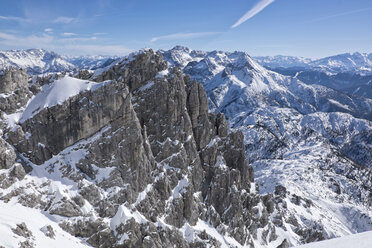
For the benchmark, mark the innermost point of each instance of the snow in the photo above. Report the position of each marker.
(220, 162)
(123, 215)
(360, 240)
(162, 74)
(147, 86)
(12, 119)
(12, 214)
(338, 104)
(57, 93)
(180, 188)
(225, 240)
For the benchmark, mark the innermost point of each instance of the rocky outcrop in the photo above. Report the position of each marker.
(13, 79)
(147, 160)
(14, 92)
(7, 155)
(55, 128)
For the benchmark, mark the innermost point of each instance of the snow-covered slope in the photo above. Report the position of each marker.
(42, 230)
(57, 93)
(360, 240)
(36, 61)
(304, 141)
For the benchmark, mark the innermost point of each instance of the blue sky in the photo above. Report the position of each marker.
(309, 28)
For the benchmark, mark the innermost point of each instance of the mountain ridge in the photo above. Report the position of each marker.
(146, 154)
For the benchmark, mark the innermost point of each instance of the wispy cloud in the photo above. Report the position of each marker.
(340, 14)
(14, 18)
(183, 36)
(98, 49)
(64, 20)
(75, 45)
(22, 41)
(252, 12)
(99, 33)
(68, 34)
(79, 39)
(48, 30)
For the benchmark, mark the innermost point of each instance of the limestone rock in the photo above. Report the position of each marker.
(48, 231)
(7, 155)
(65, 207)
(14, 90)
(22, 230)
(13, 79)
(18, 172)
(148, 159)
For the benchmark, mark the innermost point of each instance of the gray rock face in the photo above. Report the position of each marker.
(13, 79)
(65, 207)
(7, 155)
(18, 172)
(48, 231)
(152, 160)
(22, 230)
(14, 92)
(60, 126)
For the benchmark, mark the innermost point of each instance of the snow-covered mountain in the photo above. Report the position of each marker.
(349, 73)
(129, 158)
(347, 62)
(308, 144)
(283, 61)
(359, 62)
(236, 83)
(130, 155)
(36, 61)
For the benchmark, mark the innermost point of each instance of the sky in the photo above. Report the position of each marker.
(307, 28)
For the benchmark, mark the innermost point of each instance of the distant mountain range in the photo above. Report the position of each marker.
(347, 62)
(349, 73)
(90, 62)
(38, 61)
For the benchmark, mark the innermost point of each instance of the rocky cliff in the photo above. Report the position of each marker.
(133, 158)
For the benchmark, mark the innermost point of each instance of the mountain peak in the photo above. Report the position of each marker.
(181, 48)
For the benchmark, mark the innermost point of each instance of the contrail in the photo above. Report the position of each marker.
(252, 12)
